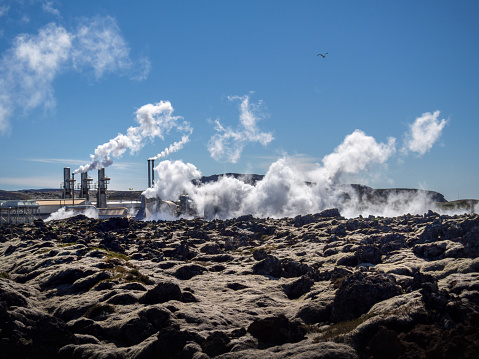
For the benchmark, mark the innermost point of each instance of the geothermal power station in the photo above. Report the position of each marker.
(218, 201)
(92, 199)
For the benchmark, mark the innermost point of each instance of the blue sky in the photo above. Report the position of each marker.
(74, 74)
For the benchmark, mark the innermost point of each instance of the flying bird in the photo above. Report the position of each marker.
(323, 55)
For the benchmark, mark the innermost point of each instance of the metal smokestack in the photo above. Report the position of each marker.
(149, 173)
(102, 187)
(85, 186)
(67, 184)
(152, 173)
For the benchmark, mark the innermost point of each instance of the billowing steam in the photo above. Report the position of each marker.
(357, 152)
(289, 189)
(174, 147)
(423, 133)
(155, 120)
(64, 213)
(228, 144)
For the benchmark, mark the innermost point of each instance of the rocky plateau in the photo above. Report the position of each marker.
(313, 286)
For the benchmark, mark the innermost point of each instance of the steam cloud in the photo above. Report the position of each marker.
(155, 120)
(289, 189)
(175, 147)
(29, 67)
(64, 213)
(423, 133)
(228, 144)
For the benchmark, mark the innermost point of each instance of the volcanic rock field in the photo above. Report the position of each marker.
(313, 286)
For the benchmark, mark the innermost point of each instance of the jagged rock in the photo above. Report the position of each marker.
(298, 287)
(277, 330)
(270, 266)
(26, 331)
(363, 287)
(161, 293)
(369, 254)
(359, 292)
(216, 343)
(188, 271)
(315, 312)
(88, 282)
(123, 299)
(135, 330)
(156, 315)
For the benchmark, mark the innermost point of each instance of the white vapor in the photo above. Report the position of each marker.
(357, 152)
(29, 67)
(64, 213)
(174, 147)
(155, 120)
(228, 144)
(423, 133)
(289, 188)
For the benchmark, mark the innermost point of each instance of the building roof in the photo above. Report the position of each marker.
(60, 202)
(17, 204)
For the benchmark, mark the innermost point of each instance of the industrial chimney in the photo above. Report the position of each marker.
(85, 186)
(67, 184)
(151, 172)
(102, 187)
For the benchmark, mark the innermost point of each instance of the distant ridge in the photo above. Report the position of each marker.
(365, 193)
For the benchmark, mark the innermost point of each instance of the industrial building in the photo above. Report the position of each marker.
(17, 212)
(94, 199)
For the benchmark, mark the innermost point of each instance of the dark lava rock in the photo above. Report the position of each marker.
(27, 332)
(188, 271)
(111, 224)
(369, 254)
(169, 344)
(270, 266)
(299, 287)
(359, 292)
(156, 315)
(315, 312)
(123, 299)
(236, 286)
(162, 292)
(216, 343)
(277, 330)
(181, 252)
(135, 331)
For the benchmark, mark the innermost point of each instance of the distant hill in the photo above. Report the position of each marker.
(13, 195)
(246, 178)
(369, 194)
(365, 193)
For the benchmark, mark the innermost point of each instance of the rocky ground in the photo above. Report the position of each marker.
(315, 286)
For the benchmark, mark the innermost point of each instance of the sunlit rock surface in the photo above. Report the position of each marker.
(315, 286)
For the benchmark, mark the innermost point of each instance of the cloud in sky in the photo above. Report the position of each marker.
(228, 144)
(423, 133)
(29, 67)
(3, 10)
(48, 7)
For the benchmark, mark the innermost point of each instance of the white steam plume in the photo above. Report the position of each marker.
(29, 67)
(357, 152)
(228, 144)
(154, 121)
(174, 147)
(289, 188)
(64, 213)
(423, 133)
